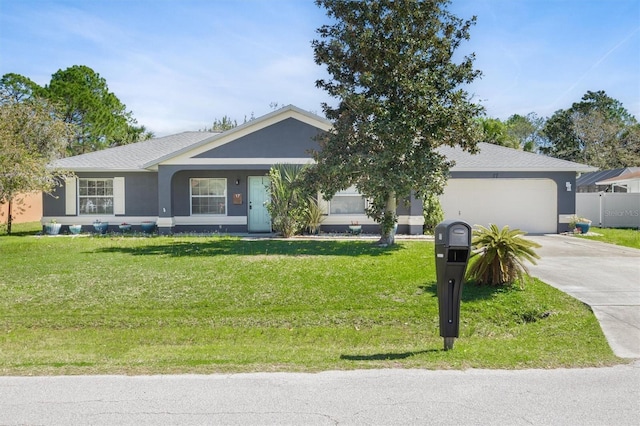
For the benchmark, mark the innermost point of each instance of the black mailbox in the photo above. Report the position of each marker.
(453, 246)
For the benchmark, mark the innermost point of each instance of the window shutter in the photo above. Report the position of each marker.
(118, 195)
(70, 197)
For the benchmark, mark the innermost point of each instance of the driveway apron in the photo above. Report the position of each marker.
(604, 276)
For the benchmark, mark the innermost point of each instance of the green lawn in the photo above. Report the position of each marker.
(621, 237)
(110, 305)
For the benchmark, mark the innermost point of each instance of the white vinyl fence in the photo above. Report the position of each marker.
(609, 209)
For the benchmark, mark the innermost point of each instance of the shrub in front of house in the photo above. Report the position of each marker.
(432, 212)
(288, 203)
(499, 255)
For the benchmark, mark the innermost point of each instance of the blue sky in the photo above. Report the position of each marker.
(178, 65)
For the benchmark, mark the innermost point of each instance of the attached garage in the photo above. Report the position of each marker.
(526, 204)
(507, 186)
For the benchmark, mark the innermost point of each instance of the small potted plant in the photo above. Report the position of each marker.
(75, 229)
(125, 227)
(355, 228)
(52, 228)
(148, 226)
(579, 225)
(100, 226)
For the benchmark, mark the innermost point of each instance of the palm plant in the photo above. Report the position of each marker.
(499, 255)
(287, 205)
(314, 215)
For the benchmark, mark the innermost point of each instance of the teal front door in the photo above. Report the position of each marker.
(259, 219)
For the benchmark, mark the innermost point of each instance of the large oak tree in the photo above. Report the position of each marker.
(400, 95)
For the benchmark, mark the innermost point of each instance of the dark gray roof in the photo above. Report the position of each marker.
(589, 179)
(623, 178)
(499, 158)
(133, 156)
(147, 155)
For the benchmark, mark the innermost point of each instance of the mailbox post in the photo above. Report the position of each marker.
(453, 246)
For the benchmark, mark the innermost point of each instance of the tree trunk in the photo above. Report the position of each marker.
(9, 218)
(388, 236)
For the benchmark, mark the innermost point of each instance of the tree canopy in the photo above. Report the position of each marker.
(31, 136)
(222, 124)
(82, 98)
(496, 132)
(17, 88)
(101, 120)
(526, 129)
(597, 131)
(518, 131)
(400, 96)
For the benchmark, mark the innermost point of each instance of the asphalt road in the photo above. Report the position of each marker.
(593, 396)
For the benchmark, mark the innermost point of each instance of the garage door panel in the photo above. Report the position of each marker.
(527, 204)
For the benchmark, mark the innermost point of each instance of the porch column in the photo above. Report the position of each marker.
(416, 216)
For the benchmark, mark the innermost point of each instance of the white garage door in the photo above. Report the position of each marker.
(527, 204)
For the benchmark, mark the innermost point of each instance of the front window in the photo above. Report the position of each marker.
(95, 196)
(348, 201)
(208, 196)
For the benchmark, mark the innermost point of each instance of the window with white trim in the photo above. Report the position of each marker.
(95, 196)
(208, 196)
(348, 201)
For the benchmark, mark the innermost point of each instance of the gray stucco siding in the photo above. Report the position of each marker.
(174, 181)
(411, 206)
(289, 138)
(141, 194)
(181, 202)
(403, 208)
(54, 204)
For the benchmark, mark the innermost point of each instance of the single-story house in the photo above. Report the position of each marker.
(216, 182)
(628, 182)
(599, 181)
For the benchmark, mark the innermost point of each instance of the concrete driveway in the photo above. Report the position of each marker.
(604, 276)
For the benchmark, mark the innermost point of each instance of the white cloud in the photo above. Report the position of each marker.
(180, 65)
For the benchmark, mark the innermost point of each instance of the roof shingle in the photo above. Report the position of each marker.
(133, 156)
(499, 158)
(147, 154)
